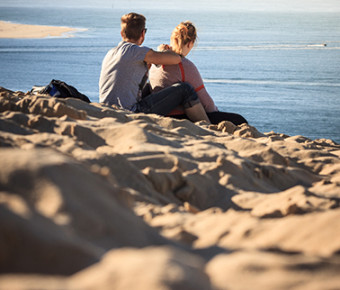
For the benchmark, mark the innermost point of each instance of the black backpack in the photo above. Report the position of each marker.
(61, 89)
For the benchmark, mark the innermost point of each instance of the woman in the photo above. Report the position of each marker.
(182, 41)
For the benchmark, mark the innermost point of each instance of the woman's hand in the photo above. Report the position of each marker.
(163, 47)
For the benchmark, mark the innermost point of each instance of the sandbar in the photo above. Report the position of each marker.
(15, 30)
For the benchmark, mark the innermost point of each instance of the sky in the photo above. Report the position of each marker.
(228, 5)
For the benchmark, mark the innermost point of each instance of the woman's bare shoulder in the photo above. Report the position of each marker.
(188, 64)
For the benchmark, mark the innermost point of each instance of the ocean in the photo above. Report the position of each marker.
(280, 70)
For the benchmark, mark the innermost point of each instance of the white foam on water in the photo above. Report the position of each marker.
(270, 82)
(270, 47)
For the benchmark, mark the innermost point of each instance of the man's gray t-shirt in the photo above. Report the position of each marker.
(123, 70)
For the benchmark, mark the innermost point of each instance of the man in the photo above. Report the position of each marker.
(124, 75)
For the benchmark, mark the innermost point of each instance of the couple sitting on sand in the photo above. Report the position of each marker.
(175, 87)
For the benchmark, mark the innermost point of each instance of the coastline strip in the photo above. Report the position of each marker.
(16, 30)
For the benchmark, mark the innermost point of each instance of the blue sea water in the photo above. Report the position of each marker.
(271, 67)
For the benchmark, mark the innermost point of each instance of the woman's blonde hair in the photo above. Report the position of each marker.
(184, 33)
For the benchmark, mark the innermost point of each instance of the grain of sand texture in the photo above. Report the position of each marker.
(93, 197)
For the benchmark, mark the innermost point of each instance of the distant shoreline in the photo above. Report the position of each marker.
(16, 30)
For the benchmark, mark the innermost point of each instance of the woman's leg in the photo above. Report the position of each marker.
(217, 117)
(179, 116)
(197, 113)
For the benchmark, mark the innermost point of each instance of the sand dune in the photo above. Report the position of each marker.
(93, 197)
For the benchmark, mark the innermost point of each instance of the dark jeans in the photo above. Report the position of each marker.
(166, 100)
(217, 117)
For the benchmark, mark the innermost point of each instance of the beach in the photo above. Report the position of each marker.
(95, 197)
(15, 30)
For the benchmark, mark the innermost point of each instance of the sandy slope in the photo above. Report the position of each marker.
(92, 197)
